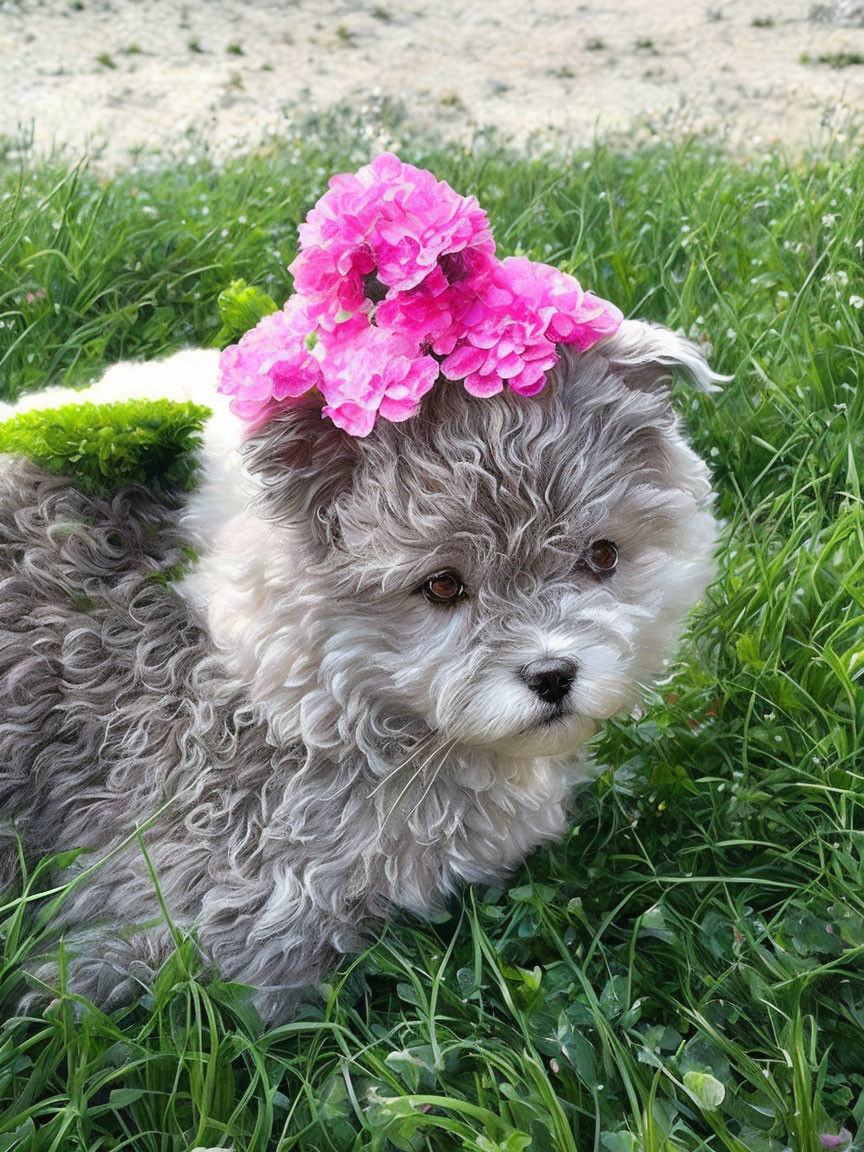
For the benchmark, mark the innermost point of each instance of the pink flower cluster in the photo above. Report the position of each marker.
(397, 281)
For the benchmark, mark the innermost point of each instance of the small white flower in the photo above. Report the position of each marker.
(856, 301)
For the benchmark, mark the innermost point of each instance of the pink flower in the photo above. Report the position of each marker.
(509, 322)
(578, 317)
(390, 218)
(271, 362)
(438, 308)
(328, 276)
(422, 314)
(842, 1140)
(503, 339)
(424, 219)
(373, 373)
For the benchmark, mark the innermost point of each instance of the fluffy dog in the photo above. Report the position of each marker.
(377, 679)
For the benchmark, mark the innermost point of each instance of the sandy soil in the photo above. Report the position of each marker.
(120, 76)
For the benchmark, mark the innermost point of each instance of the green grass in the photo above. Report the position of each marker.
(685, 971)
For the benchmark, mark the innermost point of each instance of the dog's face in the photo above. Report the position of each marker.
(506, 570)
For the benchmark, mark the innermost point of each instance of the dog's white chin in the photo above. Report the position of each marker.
(554, 736)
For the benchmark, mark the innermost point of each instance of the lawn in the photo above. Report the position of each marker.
(685, 971)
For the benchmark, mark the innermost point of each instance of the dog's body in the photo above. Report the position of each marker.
(314, 735)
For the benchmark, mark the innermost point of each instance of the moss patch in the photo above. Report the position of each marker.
(102, 446)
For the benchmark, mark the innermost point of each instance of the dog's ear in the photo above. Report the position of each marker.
(301, 463)
(645, 355)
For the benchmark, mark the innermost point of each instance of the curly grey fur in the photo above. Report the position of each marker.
(322, 745)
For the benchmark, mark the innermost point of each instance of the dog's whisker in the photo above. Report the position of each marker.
(421, 747)
(448, 748)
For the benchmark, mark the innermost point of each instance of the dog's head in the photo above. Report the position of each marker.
(507, 570)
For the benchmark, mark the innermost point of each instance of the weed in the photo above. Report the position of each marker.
(451, 101)
(841, 59)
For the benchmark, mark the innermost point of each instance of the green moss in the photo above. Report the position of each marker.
(102, 446)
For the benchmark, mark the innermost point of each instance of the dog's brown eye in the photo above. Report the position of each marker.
(602, 558)
(443, 588)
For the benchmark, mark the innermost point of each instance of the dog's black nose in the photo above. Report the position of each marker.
(550, 679)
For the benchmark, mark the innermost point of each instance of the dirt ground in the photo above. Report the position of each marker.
(122, 77)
